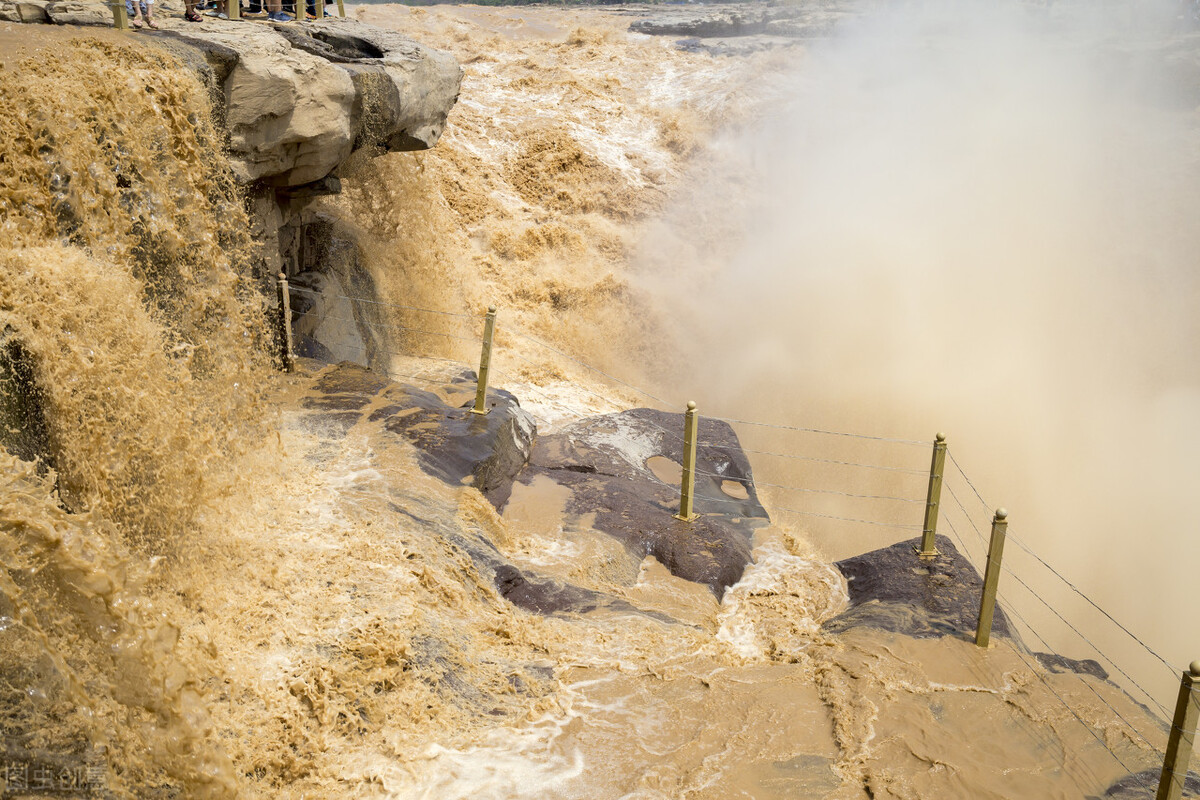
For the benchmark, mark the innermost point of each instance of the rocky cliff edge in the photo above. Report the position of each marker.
(296, 98)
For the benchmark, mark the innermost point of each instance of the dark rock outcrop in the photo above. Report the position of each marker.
(23, 429)
(553, 597)
(725, 22)
(334, 317)
(1141, 785)
(604, 461)
(459, 446)
(892, 589)
(1084, 666)
(484, 450)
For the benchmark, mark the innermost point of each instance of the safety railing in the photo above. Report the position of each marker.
(121, 14)
(914, 499)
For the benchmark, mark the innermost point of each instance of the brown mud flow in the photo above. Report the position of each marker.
(220, 581)
(838, 234)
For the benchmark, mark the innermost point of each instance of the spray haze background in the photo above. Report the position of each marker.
(978, 218)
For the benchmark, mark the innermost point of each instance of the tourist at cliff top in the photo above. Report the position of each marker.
(277, 14)
(274, 11)
(140, 9)
(220, 10)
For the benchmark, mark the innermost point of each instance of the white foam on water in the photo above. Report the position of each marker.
(780, 603)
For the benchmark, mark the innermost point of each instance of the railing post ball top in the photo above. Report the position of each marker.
(687, 483)
(1182, 737)
(933, 499)
(285, 324)
(991, 578)
(485, 361)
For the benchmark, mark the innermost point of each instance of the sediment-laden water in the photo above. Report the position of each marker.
(211, 588)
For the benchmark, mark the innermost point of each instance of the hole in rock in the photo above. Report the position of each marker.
(735, 490)
(665, 469)
(348, 46)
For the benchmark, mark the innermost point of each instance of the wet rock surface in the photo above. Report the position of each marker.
(453, 444)
(458, 447)
(1085, 666)
(604, 462)
(1140, 785)
(892, 589)
(554, 597)
(23, 429)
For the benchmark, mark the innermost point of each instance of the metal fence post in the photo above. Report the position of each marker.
(991, 577)
(120, 15)
(1183, 733)
(934, 498)
(687, 483)
(285, 321)
(485, 360)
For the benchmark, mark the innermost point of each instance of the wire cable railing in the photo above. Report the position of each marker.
(1029, 551)
(838, 462)
(1041, 600)
(813, 490)
(799, 429)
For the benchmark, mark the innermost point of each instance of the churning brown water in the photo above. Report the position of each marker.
(208, 598)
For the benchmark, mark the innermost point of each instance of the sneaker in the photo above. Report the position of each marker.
(279, 16)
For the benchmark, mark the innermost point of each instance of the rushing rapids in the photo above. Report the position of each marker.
(223, 581)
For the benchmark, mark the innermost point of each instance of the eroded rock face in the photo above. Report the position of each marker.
(25, 11)
(73, 13)
(1135, 786)
(606, 462)
(297, 102)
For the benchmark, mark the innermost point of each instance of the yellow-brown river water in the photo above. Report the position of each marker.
(208, 598)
